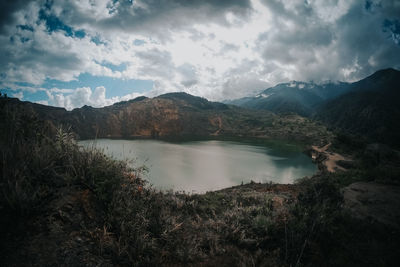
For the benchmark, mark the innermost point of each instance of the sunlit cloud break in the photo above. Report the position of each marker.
(75, 53)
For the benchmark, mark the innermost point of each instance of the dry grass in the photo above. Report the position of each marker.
(84, 208)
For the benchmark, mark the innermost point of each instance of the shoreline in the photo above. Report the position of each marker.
(327, 160)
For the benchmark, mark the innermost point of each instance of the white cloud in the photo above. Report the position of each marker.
(43, 102)
(19, 95)
(83, 96)
(215, 49)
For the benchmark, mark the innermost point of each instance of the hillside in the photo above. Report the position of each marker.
(294, 97)
(176, 115)
(306, 98)
(64, 205)
(68, 205)
(368, 107)
(371, 108)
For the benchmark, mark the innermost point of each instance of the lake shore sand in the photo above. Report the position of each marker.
(329, 160)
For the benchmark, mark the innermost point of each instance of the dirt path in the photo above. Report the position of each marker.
(331, 159)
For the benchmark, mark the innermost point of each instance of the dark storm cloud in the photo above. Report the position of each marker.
(301, 12)
(28, 54)
(31, 55)
(362, 39)
(332, 40)
(206, 47)
(7, 9)
(145, 16)
(157, 17)
(393, 28)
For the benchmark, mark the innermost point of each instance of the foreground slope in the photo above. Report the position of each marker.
(63, 205)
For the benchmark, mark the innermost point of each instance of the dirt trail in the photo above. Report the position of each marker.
(331, 158)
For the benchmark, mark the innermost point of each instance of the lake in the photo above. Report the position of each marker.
(201, 166)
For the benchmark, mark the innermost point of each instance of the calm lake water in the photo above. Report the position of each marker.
(201, 166)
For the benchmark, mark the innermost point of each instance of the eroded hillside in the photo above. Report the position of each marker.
(177, 115)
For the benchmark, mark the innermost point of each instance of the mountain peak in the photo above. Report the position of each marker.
(194, 101)
(382, 80)
(388, 70)
(137, 99)
(384, 73)
(177, 95)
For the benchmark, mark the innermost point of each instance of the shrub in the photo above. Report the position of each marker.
(33, 165)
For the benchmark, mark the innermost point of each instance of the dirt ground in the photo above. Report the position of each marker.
(331, 158)
(373, 201)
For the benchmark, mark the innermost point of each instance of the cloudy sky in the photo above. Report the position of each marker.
(96, 52)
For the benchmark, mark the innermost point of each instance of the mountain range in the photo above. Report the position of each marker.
(369, 107)
(293, 97)
(290, 111)
(172, 115)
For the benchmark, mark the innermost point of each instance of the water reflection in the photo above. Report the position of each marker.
(208, 165)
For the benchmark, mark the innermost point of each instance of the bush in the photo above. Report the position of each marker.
(33, 165)
(320, 233)
(136, 225)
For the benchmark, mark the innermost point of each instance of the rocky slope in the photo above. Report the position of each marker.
(176, 115)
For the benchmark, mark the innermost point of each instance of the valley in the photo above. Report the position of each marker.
(367, 107)
(176, 115)
(75, 205)
(200, 133)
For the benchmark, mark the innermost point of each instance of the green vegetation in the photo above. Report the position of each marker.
(34, 165)
(40, 166)
(65, 205)
(372, 162)
(323, 234)
(178, 116)
(369, 109)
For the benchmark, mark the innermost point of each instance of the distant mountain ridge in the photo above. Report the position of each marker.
(172, 115)
(293, 97)
(368, 107)
(305, 97)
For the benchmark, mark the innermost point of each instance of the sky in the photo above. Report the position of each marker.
(97, 52)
